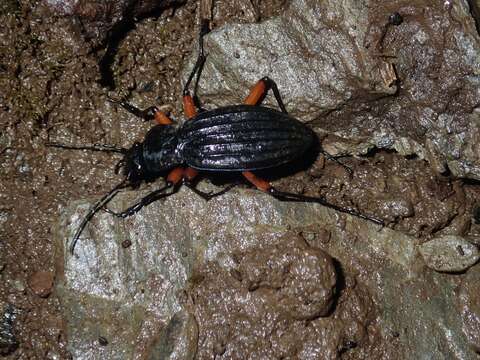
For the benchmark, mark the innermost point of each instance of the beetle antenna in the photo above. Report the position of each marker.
(94, 147)
(93, 210)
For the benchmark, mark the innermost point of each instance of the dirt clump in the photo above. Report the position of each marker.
(281, 302)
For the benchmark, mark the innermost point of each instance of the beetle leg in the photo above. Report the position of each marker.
(259, 183)
(189, 174)
(189, 106)
(259, 91)
(209, 195)
(189, 102)
(286, 196)
(151, 113)
(146, 200)
(93, 210)
(176, 175)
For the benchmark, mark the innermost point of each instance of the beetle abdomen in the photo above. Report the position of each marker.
(242, 137)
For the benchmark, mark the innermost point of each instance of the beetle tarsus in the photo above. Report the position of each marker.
(147, 114)
(146, 200)
(93, 210)
(286, 196)
(198, 67)
(276, 93)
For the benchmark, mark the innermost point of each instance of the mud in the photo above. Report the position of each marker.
(50, 79)
(324, 315)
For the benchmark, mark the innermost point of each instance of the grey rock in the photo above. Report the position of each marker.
(126, 295)
(449, 253)
(130, 296)
(325, 56)
(322, 67)
(178, 340)
(468, 303)
(421, 312)
(8, 340)
(117, 293)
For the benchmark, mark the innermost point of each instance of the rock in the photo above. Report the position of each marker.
(129, 296)
(41, 283)
(103, 283)
(322, 67)
(8, 340)
(332, 59)
(300, 281)
(178, 340)
(18, 285)
(468, 303)
(449, 253)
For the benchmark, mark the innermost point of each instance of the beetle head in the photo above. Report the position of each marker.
(152, 158)
(134, 168)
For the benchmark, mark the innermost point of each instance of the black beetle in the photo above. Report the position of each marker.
(239, 138)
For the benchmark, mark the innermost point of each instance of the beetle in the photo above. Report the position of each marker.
(239, 138)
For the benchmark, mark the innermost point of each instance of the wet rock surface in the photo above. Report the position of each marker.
(251, 283)
(410, 87)
(468, 303)
(449, 253)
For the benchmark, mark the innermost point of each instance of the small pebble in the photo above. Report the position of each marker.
(19, 285)
(41, 283)
(449, 253)
(308, 236)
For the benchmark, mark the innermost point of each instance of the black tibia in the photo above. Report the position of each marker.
(94, 147)
(197, 68)
(148, 199)
(208, 195)
(93, 210)
(285, 196)
(147, 114)
(273, 85)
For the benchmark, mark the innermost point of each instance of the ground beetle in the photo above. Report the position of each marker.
(239, 138)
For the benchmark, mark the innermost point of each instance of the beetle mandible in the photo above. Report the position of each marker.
(239, 138)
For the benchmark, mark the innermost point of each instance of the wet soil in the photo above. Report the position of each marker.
(50, 80)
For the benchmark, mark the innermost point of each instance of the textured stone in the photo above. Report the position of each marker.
(322, 67)
(8, 340)
(41, 283)
(468, 303)
(178, 340)
(449, 253)
(326, 57)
